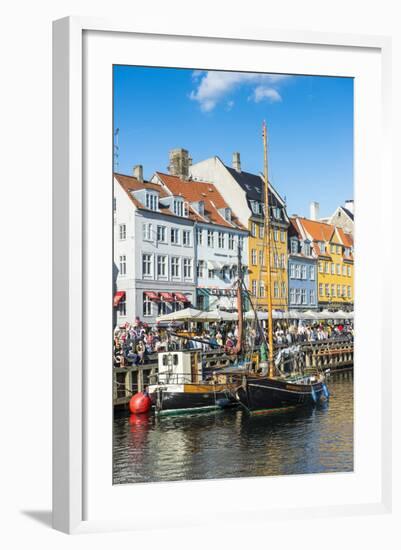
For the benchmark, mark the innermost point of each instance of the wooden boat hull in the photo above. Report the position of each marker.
(272, 395)
(189, 398)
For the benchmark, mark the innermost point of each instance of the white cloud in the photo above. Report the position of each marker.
(261, 93)
(213, 86)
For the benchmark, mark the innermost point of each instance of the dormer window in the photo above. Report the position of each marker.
(227, 214)
(294, 246)
(201, 207)
(307, 250)
(178, 207)
(151, 201)
(322, 247)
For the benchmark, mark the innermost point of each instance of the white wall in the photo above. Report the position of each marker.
(26, 145)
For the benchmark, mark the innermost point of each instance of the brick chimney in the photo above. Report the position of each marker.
(237, 162)
(180, 162)
(138, 172)
(314, 210)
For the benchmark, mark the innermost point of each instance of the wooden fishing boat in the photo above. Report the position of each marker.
(267, 388)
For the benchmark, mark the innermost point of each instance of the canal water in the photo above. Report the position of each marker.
(229, 444)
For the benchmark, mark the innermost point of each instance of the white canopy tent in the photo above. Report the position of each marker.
(196, 315)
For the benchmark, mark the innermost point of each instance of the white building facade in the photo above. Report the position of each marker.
(154, 253)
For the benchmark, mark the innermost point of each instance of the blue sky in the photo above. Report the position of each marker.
(309, 118)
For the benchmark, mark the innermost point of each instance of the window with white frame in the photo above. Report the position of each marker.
(161, 234)
(297, 271)
(320, 289)
(254, 287)
(349, 291)
(292, 271)
(261, 258)
(294, 246)
(187, 268)
(151, 200)
(210, 238)
(339, 290)
(240, 243)
(199, 236)
(327, 289)
(307, 249)
(123, 232)
(321, 267)
(186, 238)
(162, 307)
(312, 272)
(312, 297)
(282, 236)
(178, 207)
(343, 291)
(175, 267)
(283, 290)
(349, 271)
(147, 306)
(303, 296)
(147, 265)
(221, 239)
(253, 256)
(298, 296)
(200, 269)
(292, 296)
(231, 241)
(276, 260)
(338, 269)
(322, 247)
(333, 290)
(123, 265)
(303, 272)
(253, 229)
(261, 289)
(147, 232)
(327, 265)
(346, 252)
(344, 270)
(332, 248)
(275, 234)
(162, 266)
(175, 235)
(261, 231)
(282, 261)
(276, 289)
(333, 269)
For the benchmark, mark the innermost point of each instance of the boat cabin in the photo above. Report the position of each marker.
(180, 367)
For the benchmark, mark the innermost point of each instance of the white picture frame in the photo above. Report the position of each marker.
(71, 423)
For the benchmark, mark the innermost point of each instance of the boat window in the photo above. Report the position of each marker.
(175, 360)
(164, 360)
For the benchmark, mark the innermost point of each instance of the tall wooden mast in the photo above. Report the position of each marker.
(268, 259)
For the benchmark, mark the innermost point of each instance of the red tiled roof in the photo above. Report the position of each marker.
(194, 191)
(319, 231)
(346, 238)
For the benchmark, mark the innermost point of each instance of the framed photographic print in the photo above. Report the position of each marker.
(214, 282)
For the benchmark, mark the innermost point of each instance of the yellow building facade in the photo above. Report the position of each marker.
(257, 264)
(335, 256)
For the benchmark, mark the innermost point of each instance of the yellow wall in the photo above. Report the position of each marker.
(334, 256)
(257, 244)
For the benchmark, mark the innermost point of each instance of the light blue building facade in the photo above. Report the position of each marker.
(302, 270)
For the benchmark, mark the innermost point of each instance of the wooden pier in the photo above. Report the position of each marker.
(334, 355)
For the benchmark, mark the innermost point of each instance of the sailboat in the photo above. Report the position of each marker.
(266, 388)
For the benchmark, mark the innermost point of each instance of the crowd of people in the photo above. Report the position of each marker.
(135, 342)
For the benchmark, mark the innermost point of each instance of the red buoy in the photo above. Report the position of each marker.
(140, 403)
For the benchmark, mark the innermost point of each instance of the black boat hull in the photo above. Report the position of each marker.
(269, 394)
(170, 402)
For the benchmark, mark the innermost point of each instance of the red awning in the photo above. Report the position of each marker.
(152, 295)
(167, 296)
(118, 296)
(180, 297)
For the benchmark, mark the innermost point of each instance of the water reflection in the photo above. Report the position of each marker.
(227, 444)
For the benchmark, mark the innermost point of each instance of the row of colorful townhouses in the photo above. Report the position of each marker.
(178, 239)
